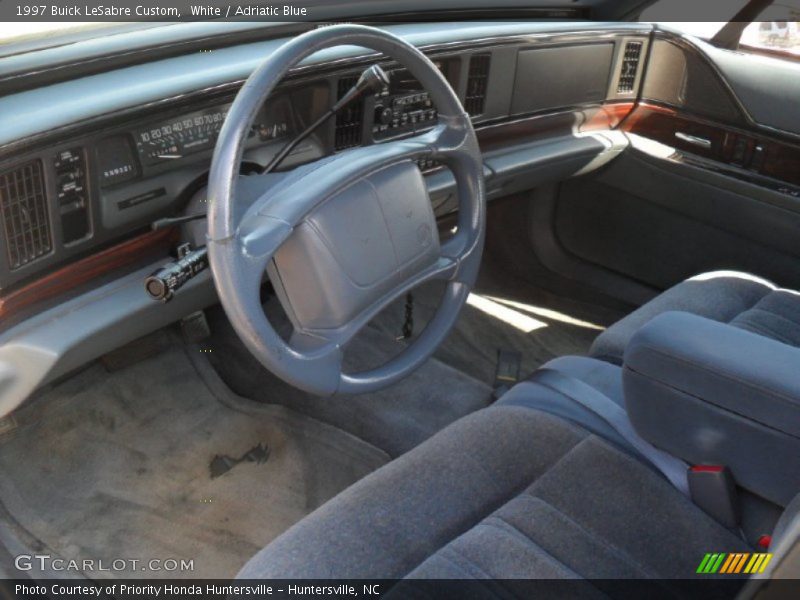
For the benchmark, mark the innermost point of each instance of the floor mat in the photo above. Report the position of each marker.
(538, 325)
(117, 465)
(394, 419)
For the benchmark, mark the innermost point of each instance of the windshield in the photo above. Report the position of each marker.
(29, 31)
(663, 12)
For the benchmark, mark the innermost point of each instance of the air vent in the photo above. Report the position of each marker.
(630, 64)
(26, 222)
(349, 120)
(477, 83)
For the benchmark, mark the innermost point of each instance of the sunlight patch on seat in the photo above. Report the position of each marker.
(508, 315)
(546, 313)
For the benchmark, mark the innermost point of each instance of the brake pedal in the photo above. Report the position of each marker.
(195, 328)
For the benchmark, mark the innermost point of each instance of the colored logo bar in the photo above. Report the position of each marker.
(733, 563)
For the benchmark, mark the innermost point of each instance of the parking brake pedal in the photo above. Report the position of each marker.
(509, 363)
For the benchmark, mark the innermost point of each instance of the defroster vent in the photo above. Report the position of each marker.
(26, 222)
(630, 64)
(477, 83)
(349, 119)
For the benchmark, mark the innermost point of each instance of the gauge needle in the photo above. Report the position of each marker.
(169, 156)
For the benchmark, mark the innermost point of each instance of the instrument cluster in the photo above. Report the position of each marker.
(181, 136)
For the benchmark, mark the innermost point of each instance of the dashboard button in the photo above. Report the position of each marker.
(384, 115)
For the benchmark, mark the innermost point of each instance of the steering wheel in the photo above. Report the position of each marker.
(343, 237)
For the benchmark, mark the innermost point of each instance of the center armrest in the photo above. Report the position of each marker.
(711, 393)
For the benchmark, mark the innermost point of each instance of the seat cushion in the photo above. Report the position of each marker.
(506, 492)
(743, 300)
(595, 514)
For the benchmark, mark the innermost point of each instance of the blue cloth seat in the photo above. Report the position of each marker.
(740, 299)
(532, 487)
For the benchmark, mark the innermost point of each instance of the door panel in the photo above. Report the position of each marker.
(659, 226)
(703, 186)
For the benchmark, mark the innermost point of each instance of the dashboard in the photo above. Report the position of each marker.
(78, 199)
(87, 186)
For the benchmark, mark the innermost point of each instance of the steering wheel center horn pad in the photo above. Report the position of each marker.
(343, 237)
(355, 248)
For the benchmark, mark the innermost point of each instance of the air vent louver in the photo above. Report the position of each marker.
(349, 120)
(630, 64)
(477, 82)
(26, 223)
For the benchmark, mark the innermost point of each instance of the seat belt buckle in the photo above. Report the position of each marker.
(506, 374)
(713, 489)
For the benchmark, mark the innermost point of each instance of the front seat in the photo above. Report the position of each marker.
(509, 492)
(740, 299)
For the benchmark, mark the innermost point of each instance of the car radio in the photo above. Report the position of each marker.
(403, 106)
(402, 113)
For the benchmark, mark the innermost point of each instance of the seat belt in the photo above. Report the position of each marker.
(674, 469)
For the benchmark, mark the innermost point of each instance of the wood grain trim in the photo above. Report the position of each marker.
(543, 126)
(609, 116)
(82, 271)
(729, 145)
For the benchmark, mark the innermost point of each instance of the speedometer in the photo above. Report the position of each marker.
(174, 139)
(194, 132)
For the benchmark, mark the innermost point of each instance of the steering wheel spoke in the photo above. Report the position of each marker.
(262, 236)
(452, 137)
(320, 353)
(445, 269)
